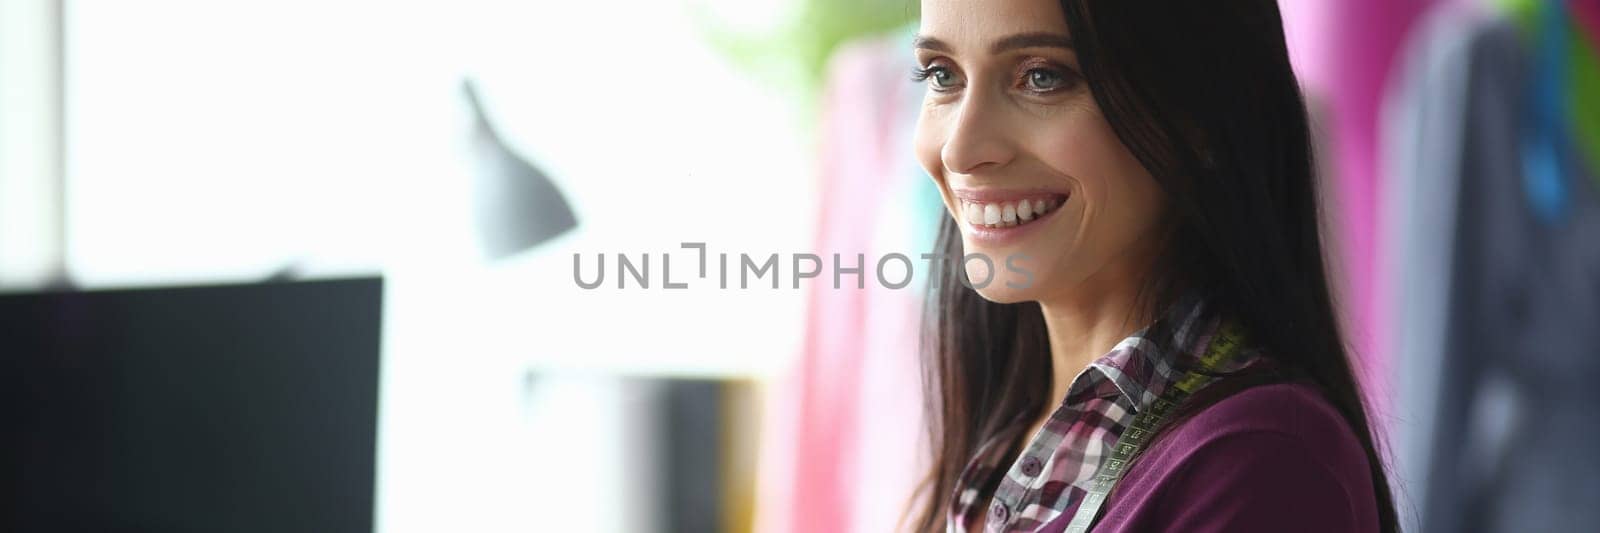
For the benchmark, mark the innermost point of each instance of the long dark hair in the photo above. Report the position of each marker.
(1203, 94)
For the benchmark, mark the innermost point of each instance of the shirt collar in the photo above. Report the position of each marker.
(1143, 365)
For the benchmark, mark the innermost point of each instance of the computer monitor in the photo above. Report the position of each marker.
(211, 408)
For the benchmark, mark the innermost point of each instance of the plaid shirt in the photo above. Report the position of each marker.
(1052, 472)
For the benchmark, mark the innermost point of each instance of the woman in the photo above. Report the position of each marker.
(1144, 170)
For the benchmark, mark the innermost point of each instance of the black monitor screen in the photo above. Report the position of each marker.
(219, 408)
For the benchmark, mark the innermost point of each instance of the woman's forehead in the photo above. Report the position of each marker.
(967, 23)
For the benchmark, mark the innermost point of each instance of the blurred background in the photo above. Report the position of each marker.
(297, 265)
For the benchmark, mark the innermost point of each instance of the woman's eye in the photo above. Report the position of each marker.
(940, 78)
(1044, 80)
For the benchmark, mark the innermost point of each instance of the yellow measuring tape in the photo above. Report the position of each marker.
(1223, 345)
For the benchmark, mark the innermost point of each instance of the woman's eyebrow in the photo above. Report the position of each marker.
(1031, 40)
(1011, 42)
(929, 43)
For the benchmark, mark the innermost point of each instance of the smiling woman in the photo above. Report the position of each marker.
(1177, 363)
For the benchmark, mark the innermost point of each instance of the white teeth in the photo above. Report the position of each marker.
(1003, 215)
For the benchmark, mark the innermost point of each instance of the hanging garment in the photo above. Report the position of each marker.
(1585, 80)
(1516, 425)
(1422, 136)
(1361, 44)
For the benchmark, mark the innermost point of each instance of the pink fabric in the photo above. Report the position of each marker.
(1345, 50)
(844, 428)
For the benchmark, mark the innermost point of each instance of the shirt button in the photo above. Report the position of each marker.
(1031, 466)
(998, 515)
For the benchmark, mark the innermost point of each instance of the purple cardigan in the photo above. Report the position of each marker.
(1269, 458)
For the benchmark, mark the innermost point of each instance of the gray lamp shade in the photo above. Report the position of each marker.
(515, 205)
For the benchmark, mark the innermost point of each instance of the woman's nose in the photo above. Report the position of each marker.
(978, 138)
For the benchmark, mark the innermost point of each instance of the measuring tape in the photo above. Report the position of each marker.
(1223, 345)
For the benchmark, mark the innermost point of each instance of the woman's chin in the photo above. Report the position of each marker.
(1005, 287)
(1004, 295)
(1011, 278)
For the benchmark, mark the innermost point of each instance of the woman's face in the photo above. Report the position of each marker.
(1025, 161)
